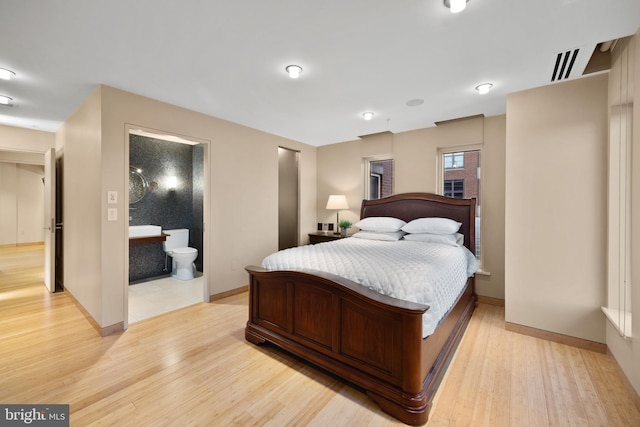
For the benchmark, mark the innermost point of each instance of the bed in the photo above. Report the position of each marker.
(371, 340)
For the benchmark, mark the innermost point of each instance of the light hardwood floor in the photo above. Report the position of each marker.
(193, 367)
(20, 266)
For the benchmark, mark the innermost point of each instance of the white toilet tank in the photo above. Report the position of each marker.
(178, 238)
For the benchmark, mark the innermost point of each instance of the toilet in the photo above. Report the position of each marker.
(177, 247)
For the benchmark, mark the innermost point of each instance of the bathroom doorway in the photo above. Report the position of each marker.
(167, 183)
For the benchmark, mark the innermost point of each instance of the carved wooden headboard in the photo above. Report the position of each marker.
(409, 206)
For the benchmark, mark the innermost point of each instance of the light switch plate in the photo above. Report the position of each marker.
(112, 197)
(112, 214)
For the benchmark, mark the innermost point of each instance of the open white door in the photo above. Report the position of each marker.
(50, 219)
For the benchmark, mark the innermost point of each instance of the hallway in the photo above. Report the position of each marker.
(21, 266)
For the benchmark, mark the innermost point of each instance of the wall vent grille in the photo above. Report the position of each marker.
(564, 64)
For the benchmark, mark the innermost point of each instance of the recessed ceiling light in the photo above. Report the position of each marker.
(367, 115)
(6, 74)
(5, 100)
(456, 5)
(484, 88)
(294, 71)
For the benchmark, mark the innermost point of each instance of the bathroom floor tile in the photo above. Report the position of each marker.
(150, 299)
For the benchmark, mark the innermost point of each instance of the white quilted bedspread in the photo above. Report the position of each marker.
(427, 273)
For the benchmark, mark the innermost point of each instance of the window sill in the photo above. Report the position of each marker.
(615, 316)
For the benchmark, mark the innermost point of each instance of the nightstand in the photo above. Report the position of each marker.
(321, 236)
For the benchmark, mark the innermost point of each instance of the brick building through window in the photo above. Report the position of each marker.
(461, 178)
(380, 178)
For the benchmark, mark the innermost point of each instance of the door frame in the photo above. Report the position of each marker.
(205, 215)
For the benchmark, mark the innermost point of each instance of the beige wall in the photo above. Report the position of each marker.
(21, 203)
(21, 189)
(241, 219)
(30, 207)
(8, 203)
(415, 153)
(627, 352)
(555, 218)
(82, 231)
(25, 140)
(21, 157)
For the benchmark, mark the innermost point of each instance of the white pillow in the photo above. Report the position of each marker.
(432, 225)
(372, 235)
(380, 224)
(448, 239)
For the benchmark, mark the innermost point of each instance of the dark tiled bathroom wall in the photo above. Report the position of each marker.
(198, 202)
(170, 209)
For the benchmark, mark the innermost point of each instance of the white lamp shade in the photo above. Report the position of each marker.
(337, 201)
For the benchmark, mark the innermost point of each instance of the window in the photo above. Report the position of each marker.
(621, 141)
(454, 188)
(460, 178)
(454, 160)
(375, 180)
(618, 309)
(379, 181)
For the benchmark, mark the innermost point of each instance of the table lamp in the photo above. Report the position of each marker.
(337, 202)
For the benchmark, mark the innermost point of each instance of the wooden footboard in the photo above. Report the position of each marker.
(369, 339)
(366, 338)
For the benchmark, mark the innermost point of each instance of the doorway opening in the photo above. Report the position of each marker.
(288, 198)
(167, 190)
(24, 185)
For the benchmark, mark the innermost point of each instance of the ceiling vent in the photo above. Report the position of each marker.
(564, 64)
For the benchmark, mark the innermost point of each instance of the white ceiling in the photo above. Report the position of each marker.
(226, 58)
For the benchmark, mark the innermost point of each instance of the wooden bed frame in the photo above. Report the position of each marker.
(366, 338)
